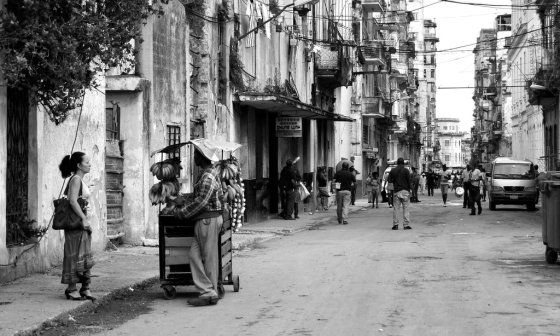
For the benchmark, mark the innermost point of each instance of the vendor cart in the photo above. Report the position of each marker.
(176, 237)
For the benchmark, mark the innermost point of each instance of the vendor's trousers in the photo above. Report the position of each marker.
(204, 255)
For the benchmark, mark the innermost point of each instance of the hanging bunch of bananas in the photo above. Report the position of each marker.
(169, 186)
(233, 189)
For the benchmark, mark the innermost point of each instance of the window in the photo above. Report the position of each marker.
(447, 158)
(445, 128)
(433, 73)
(112, 121)
(425, 73)
(173, 138)
(447, 144)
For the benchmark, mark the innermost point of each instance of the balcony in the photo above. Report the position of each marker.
(372, 107)
(430, 24)
(373, 54)
(330, 70)
(431, 37)
(374, 5)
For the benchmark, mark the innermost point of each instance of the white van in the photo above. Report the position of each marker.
(512, 182)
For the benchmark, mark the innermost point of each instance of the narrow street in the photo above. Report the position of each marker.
(453, 274)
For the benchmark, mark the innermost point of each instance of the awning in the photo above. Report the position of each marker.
(288, 107)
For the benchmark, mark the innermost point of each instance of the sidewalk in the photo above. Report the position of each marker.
(28, 303)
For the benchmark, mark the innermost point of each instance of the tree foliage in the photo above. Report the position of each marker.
(55, 48)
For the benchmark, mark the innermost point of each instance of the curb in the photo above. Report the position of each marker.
(88, 305)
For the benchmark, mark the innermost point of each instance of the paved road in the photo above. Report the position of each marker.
(453, 274)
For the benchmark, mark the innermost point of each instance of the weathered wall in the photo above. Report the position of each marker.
(131, 94)
(169, 88)
(48, 144)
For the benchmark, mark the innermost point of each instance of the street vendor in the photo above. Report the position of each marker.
(205, 209)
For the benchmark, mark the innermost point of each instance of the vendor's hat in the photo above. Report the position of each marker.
(206, 150)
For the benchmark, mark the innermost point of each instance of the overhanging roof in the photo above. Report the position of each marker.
(287, 106)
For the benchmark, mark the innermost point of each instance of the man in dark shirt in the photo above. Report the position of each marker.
(344, 181)
(288, 182)
(400, 177)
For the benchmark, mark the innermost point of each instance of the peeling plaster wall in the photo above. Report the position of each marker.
(169, 104)
(48, 144)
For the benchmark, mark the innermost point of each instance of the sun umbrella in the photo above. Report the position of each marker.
(339, 165)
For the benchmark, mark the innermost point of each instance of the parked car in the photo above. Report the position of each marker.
(512, 182)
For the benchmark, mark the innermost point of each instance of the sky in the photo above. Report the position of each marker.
(459, 25)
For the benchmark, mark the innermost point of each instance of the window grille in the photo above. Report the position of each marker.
(173, 138)
(17, 165)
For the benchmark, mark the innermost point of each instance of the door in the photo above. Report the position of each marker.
(114, 172)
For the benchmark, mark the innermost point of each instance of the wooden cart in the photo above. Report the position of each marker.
(175, 239)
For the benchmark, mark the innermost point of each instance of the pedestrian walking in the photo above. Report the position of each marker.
(344, 181)
(475, 178)
(288, 188)
(430, 182)
(205, 210)
(354, 172)
(415, 185)
(401, 179)
(388, 187)
(483, 183)
(466, 185)
(369, 187)
(423, 182)
(375, 189)
(78, 257)
(444, 183)
(296, 177)
(322, 182)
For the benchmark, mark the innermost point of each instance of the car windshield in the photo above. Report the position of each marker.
(517, 171)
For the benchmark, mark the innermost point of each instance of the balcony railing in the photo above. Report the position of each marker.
(373, 53)
(431, 37)
(374, 5)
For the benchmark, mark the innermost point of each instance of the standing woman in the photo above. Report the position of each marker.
(78, 258)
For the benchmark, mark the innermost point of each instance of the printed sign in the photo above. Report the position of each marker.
(289, 127)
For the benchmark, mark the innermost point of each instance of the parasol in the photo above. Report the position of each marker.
(214, 150)
(339, 165)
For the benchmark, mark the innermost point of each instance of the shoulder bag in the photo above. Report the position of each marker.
(65, 218)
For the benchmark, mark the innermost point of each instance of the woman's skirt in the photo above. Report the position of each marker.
(78, 258)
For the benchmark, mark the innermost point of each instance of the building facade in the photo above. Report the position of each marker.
(524, 57)
(451, 141)
(424, 33)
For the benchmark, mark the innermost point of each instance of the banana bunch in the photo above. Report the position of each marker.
(229, 171)
(162, 191)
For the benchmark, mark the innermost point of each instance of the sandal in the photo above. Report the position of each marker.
(86, 293)
(72, 295)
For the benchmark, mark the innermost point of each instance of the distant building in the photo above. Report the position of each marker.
(450, 138)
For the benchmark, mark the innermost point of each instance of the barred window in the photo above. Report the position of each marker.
(174, 137)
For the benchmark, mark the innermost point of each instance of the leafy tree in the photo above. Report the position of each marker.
(54, 48)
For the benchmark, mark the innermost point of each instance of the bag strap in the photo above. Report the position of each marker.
(68, 186)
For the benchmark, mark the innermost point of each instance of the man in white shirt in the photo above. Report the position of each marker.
(475, 178)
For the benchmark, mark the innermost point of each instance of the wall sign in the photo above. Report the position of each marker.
(289, 127)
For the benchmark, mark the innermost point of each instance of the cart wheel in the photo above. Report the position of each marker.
(169, 292)
(221, 291)
(235, 280)
(551, 255)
